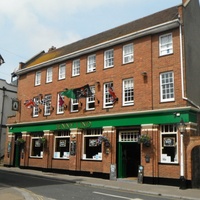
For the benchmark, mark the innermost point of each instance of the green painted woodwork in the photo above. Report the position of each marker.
(130, 119)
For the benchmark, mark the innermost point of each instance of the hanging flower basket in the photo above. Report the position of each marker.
(20, 141)
(104, 139)
(145, 139)
(42, 140)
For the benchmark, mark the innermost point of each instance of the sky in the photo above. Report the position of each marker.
(28, 27)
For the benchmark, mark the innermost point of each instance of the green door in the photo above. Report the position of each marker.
(128, 159)
(17, 156)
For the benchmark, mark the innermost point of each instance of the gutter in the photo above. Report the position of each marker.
(148, 31)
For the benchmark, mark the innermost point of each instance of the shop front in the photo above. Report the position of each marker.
(93, 145)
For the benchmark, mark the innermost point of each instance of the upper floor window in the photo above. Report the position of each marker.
(169, 150)
(128, 92)
(76, 67)
(127, 53)
(108, 99)
(166, 44)
(61, 72)
(167, 86)
(36, 108)
(109, 58)
(60, 104)
(91, 63)
(74, 105)
(49, 76)
(38, 78)
(47, 105)
(90, 101)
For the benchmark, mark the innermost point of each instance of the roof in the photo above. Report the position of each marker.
(120, 31)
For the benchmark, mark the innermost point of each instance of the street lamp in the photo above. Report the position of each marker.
(182, 128)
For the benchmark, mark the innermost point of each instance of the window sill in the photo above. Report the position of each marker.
(61, 158)
(168, 163)
(36, 157)
(90, 159)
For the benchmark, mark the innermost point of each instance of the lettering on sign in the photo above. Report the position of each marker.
(81, 125)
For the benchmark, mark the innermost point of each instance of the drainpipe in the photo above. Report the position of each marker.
(2, 113)
(182, 73)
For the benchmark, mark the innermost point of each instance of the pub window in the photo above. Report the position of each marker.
(91, 149)
(62, 141)
(36, 147)
(169, 151)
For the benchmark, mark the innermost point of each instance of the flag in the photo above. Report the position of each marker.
(61, 101)
(69, 94)
(29, 103)
(83, 92)
(112, 93)
(77, 93)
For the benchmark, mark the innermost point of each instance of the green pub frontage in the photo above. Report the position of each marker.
(111, 146)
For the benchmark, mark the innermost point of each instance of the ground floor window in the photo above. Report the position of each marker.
(91, 148)
(36, 146)
(62, 143)
(169, 151)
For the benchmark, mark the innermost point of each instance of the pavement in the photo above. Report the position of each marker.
(14, 193)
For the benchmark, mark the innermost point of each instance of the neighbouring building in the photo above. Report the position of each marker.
(8, 95)
(144, 77)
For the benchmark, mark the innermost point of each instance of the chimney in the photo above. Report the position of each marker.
(51, 48)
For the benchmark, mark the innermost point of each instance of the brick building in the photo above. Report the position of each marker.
(144, 78)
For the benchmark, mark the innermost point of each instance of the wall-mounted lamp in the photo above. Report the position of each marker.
(147, 158)
(144, 74)
(65, 107)
(98, 101)
(98, 83)
(52, 108)
(81, 104)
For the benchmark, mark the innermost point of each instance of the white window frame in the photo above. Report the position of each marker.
(57, 153)
(107, 102)
(90, 101)
(74, 104)
(76, 67)
(167, 86)
(91, 63)
(109, 58)
(128, 53)
(128, 92)
(129, 136)
(37, 78)
(169, 132)
(47, 105)
(49, 75)
(93, 134)
(62, 71)
(40, 155)
(36, 108)
(165, 44)
(60, 109)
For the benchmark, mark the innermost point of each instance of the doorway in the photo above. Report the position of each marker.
(196, 167)
(128, 159)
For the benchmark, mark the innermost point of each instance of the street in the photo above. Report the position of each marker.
(55, 189)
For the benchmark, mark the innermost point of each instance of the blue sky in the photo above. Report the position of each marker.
(28, 27)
